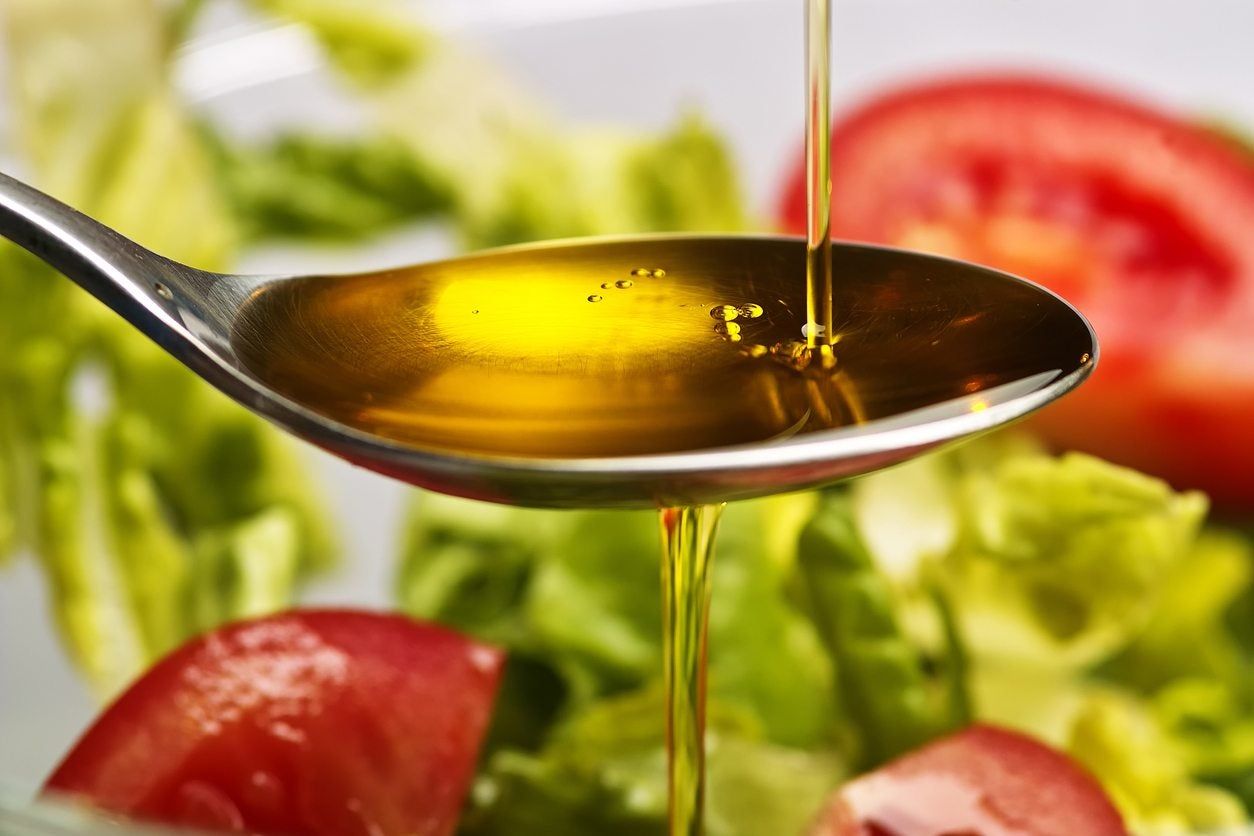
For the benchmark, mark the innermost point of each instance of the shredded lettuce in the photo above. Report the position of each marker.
(369, 41)
(1058, 558)
(1091, 610)
(1146, 771)
(580, 591)
(518, 173)
(603, 771)
(120, 495)
(577, 739)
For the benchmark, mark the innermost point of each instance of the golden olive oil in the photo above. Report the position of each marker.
(687, 549)
(818, 328)
(521, 352)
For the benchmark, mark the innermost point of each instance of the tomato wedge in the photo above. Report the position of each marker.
(310, 722)
(983, 781)
(1143, 221)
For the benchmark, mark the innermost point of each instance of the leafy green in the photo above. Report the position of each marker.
(1187, 636)
(581, 592)
(1057, 558)
(1212, 725)
(370, 41)
(123, 494)
(603, 771)
(334, 189)
(518, 174)
(1145, 771)
(577, 738)
(889, 702)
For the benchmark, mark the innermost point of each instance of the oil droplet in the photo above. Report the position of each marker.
(751, 311)
(594, 298)
(729, 329)
(1084, 358)
(659, 273)
(755, 350)
(606, 285)
(642, 272)
(623, 284)
(474, 312)
(725, 313)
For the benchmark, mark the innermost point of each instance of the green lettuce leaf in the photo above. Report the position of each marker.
(1212, 725)
(1188, 635)
(327, 189)
(892, 698)
(604, 771)
(580, 592)
(370, 41)
(118, 492)
(1145, 771)
(518, 173)
(1059, 559)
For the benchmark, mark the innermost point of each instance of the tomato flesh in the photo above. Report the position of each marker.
(309, 722)
(983, 781)
(1141, 220)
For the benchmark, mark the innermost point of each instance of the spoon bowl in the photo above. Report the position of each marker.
(930, 351)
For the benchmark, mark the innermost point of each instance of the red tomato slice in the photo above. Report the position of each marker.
(310, 722)
(1144, 222)
(983, 781)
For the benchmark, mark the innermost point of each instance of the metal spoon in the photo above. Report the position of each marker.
(194, 315)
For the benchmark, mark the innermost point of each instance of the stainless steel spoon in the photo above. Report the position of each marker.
(194, 315)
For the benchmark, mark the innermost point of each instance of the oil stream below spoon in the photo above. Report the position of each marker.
(688, 532)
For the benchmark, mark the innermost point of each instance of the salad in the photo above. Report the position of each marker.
(1088, 622)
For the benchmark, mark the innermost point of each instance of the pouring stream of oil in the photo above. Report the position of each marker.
(687, 542)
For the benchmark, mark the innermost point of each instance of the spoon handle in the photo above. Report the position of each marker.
(148, 290)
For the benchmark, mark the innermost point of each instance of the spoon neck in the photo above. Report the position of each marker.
(148, 290)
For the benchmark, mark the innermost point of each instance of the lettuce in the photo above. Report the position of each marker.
(891, 702)
(518, 173)
(1048, 558)
(579, 593)
(1146, 771)
(123, 493)
(328, 189)
(603, 771)
(369, 41)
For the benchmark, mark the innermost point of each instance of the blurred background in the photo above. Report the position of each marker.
(289, 136)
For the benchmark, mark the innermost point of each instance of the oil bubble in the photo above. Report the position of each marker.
(751, 310)
(725, 313)
(594, 298)
(623, 284)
